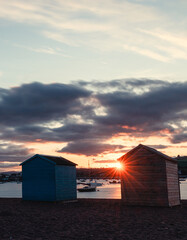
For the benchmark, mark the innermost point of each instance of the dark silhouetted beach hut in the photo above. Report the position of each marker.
(48, 178)
(149, 178)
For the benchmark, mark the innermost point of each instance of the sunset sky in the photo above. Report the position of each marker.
(89, 80)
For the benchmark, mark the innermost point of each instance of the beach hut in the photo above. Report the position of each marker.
(149, 178)
(48, 178)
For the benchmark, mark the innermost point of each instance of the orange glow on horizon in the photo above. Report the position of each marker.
(128, 127)
(119, 166)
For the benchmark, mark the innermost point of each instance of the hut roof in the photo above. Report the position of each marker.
(53, 159)
(152, 150)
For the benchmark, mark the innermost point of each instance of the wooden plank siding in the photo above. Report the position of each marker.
(149, 178)
(66, 188)
(173, 183)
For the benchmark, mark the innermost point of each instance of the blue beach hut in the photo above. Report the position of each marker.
(48, 178)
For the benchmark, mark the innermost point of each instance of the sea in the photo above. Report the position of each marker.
(106, 191)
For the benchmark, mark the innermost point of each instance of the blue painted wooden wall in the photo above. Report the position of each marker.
(66, 188)
(38, 180)
(45, 181)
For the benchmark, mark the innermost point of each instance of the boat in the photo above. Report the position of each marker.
(114, 182)
(99, 184)
(182, 179)
(96, 184)
(90, 187)
(87, 189)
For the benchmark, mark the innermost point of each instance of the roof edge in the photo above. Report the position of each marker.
(152, 150)
(44, 157)
(37, 155)
(159, 153)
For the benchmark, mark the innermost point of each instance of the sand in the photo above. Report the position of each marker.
(90, 219)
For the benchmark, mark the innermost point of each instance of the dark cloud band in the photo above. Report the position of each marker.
(91, 113)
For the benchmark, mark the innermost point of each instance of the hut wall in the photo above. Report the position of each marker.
(66, 188)
(173, 183)
(38, 180)
(144, 180)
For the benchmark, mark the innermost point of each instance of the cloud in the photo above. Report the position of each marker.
(72, 14)
(86, 116)
(39, 103)
(126, 25)
(30, 133)
(8, 165)
(173, 44)
(153, 110)
(168, 37)
(89, 148)
(179, 138)
(13, 153)
(105, 161)
(147, 52)
(160, 146)
(60, 38)
(127, 85)
(45, 50)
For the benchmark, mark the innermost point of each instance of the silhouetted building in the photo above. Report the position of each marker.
(149, 178)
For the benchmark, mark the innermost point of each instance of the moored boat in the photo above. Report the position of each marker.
(87, 189)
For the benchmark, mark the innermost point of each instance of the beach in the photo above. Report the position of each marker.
(88, 219)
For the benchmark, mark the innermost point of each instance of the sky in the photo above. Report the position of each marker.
(90, 80)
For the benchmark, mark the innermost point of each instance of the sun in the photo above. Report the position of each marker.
(119, 165)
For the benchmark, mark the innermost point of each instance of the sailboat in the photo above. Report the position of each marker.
(90, 187)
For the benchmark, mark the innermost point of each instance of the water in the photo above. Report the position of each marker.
(11, 190)
(14, 190)
(107, 191)
(183, 189)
